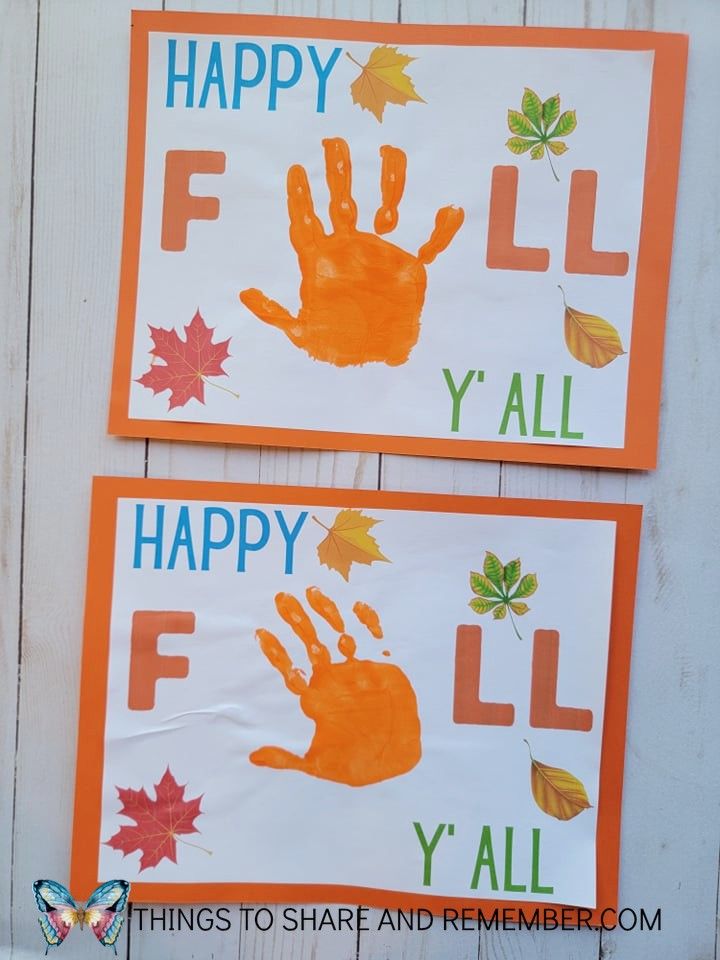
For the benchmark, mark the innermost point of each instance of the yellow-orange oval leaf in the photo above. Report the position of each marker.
(557, 792)
(589, 338)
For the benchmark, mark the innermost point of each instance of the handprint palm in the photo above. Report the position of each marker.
(367, 727)
(361, 296)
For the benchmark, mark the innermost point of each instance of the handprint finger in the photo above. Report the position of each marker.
(448, 221)
(269, 311)
(278, 758)
(347, 646)
(325, 608)
(338, 172)
(305, 226)
(278, 657)
(392, 185)
(369, 618)
(295, 617)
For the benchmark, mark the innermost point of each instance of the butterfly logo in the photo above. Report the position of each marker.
(102, 913)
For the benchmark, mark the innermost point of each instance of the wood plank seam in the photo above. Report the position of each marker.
(24, 468)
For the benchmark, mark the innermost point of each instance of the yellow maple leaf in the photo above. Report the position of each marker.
(556, 791)
(383, 81)
(590, 339)
(348, 542)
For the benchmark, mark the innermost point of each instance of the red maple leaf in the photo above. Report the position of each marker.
(157, 822)
(188, 363)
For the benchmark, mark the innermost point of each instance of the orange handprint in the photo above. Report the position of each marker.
(361, 297)
(367, 727)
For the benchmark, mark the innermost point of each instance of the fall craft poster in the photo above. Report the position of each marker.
(428, 240)
(353, 696)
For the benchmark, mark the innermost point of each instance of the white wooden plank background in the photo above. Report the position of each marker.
(63, 68)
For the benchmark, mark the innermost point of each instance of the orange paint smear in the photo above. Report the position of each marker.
(278, 657)
(392, 187)
(347, 646)
(293, 614)
(325, 607)
(447, 223)
(369, 618)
